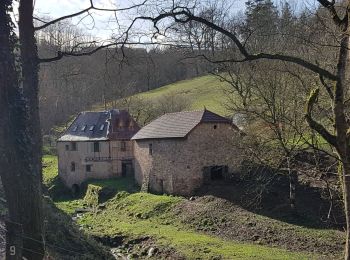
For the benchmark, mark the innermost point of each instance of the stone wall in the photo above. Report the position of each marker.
(176, 165)
(101, 166)
(118, 155)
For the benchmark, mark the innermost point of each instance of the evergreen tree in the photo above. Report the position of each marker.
(287, 19)
(261, 24)
(261, 16)
(288, 29)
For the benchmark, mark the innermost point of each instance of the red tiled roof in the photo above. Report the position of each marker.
(177, 125)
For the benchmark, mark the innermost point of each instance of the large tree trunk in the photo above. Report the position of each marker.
(32, 220)
(341, 131)
(20, 141)
(8, 95)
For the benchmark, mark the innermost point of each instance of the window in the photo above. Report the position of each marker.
(215, 126)
(102, 127)
(88, 168)
(67, 147)
(73, 146)
(91, 128)
(96, 147)
(75, 129)
(72, 166)
(83, 128)
(150, 149)
(123, 146)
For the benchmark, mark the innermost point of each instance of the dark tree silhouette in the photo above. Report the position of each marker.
(20, 131)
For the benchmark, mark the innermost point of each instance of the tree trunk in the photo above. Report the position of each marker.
(341, 131)
(32, 219)
(293, 181)
(14, 241)
(8, 95)
(20, 138)
(346, 198)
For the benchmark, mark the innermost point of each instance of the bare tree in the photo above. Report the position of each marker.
(171, 102)
(337, 137)
(20, 131)
(268, 104)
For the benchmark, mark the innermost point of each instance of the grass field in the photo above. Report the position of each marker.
(206, 91)
(142, 214)
(134, 214)
(49, 169)
(203, 91)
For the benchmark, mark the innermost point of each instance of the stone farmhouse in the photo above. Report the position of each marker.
(97, 145)
(175, 154)
(179, 152)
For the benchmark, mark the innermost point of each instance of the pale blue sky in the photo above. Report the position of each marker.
(104, 22)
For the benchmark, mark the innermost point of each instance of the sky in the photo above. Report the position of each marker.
(103, 23)
(101, 26)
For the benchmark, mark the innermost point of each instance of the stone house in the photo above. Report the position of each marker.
(179, 152)
(97, 145)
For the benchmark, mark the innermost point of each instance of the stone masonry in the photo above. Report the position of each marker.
(177, 165)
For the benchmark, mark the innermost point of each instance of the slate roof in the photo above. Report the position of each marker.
(177, 125)
(99, 126)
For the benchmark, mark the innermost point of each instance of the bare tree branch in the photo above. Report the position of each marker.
(342, 23)
(184, 15)
(86, 10)
(331, 139)
(327, 87)
(91, 50)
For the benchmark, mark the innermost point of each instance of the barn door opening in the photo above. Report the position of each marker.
(214, 173)
(127, 168)
(75, 190)
(217, 173)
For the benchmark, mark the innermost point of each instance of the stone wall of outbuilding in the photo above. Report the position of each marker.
(176, 165)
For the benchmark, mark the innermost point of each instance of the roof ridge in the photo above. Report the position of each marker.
(102, 111)
(89, 111)
(171, 125)
(171, 113)
(206, 110)
(185, 111)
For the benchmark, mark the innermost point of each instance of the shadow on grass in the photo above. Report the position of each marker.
(64, 239)
(271, 198)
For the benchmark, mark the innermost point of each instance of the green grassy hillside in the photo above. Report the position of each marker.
(206, 91)
(205, 228)
(203, 91)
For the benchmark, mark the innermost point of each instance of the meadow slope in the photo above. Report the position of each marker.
(206, 91)
(133, 222)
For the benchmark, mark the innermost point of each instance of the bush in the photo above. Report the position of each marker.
(92, 196)
(49, 150)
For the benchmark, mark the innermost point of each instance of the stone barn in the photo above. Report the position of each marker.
(97, 145)
(179, 152)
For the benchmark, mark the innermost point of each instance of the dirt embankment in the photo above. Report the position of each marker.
(222, 218)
